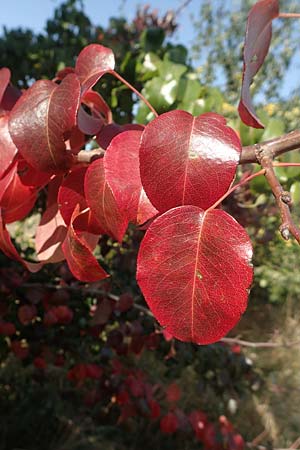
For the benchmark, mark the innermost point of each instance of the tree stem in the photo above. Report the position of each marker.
(289, 16)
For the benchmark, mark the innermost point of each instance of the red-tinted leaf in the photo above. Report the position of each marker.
(88, 124)
(81, 261)
(63, 314)
(125, 303)
(40, 363)
(26, 313)
(8, 150)
(97, 104)
(194, 271)
(61, 74)
(257, 43)
(186, 160)
(102, 202)
(122, 172)
(20, 349)
(198, 421)
(9, 99)
(169, 423)
(107, 133)
(40, 120)
(4, 80)
(9, 250)
(50, 235)
(16, 199)
(93, 62)
(173, 393)
(30, 176)
(71, 193)
(103, 312)
(7, 328)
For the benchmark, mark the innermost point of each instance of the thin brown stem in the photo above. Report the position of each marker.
(242, 342)
(117, 75)
(275, 147)
(282, 197)
(289, 16)
(88, 156)
(233, 188)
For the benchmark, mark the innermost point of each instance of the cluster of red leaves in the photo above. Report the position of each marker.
(194, 261)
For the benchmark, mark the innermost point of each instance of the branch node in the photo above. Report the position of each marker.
(285, 232)
(286, 197)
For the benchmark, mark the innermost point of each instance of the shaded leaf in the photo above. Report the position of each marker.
(8, 150)
(40, 120)
(108, 132)
(70, 194)
(102, 202)
(80, 259)
(194, 159)
(257, 43)
(194, 271)
(122, 172)
(4, 81)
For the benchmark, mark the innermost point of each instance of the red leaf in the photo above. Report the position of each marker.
(70, 194)
(92, 63)
(186, 160)
(26, 313)
(173, 393)
(4, 81)
(9, 250)
(102, 202)
(257, 43)
(50, 235)
(169, 423)
(194, 271)
(40, 120)
(30, 176)
(16, 199)
(97, 104)
(8, 150)
(88, 124)
(107, 133)
(40, 363)
(81, 261)
(122, 172)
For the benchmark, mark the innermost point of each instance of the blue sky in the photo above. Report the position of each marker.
(34, 13)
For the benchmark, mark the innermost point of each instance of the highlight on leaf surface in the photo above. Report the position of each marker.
(92, 63)
(194, 271)
(257, 43)
(186, 160)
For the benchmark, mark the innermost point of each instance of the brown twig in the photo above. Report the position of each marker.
(265, 155)
(237, 341)
(289, 16)
(88, 156)
(274, 147)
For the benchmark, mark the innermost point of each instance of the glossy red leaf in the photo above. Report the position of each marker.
(122, 172)
(102, 202)
(70, 194)
(108, 132)
(186, 160)
(9, 99)
(4, 81)
(40, 120)
(16, 199)
(8, 150)
(257, 43)
(80, 259)
(7, 247)
(92, 63)
(194, 271)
